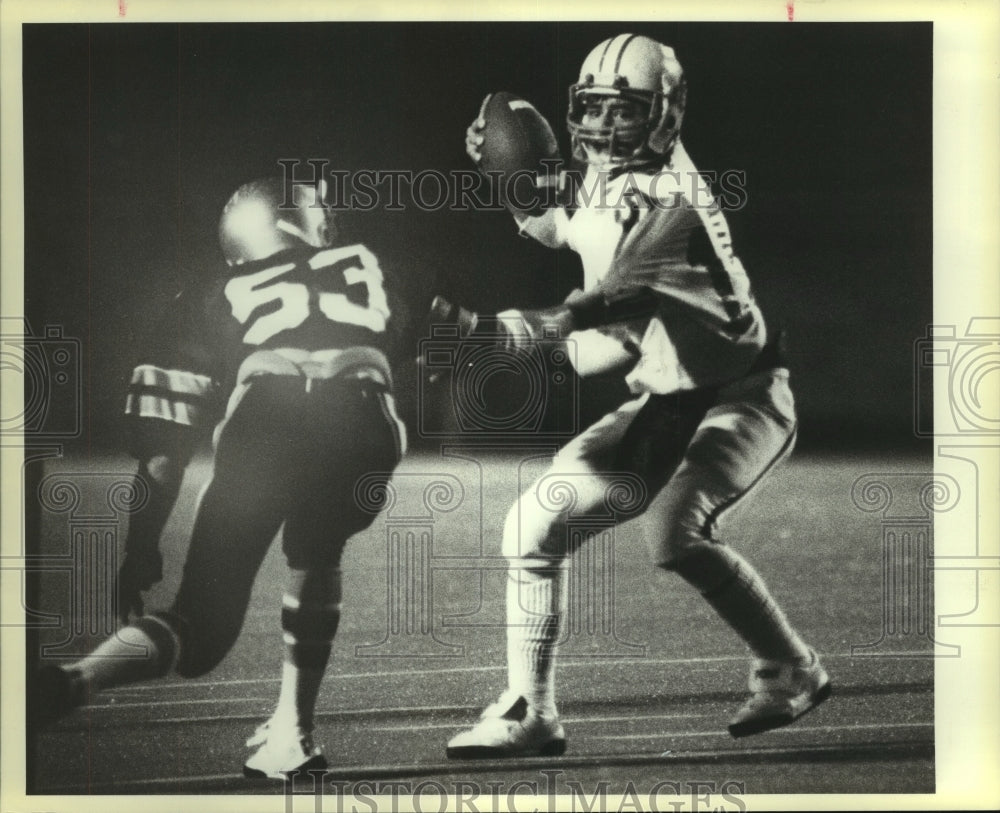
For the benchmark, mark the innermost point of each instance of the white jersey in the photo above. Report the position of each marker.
(662, 229)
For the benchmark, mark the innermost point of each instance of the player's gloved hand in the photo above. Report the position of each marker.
(524, 328)
(141, 569)
(443, 312)
(474, 134)
(514, 329)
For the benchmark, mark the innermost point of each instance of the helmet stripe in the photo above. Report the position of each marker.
(604, 53)
(621, 53)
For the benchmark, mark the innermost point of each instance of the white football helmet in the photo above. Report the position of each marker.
(639, 69)
(263, 217)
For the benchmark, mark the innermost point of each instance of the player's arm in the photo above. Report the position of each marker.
(603, 305)
(171, 402)
(548, 228)
(143, 563)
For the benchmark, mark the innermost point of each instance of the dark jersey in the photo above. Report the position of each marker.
(318, 313)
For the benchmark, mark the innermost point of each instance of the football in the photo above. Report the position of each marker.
(519, 153)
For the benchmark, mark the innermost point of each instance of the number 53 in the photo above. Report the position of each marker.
(286, 303)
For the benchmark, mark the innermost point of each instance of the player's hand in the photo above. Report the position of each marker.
(522, 329)
(139, 572)
(443, 312)
(474, 134)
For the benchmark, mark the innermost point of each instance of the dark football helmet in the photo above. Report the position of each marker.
(268, 215)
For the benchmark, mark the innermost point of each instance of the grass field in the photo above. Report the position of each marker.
(647, 681)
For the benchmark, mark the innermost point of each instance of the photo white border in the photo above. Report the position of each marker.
(967, 284)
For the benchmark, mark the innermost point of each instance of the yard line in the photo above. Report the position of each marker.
(150, 704)
(330, 715)
(567, 720)
(800, 729)
(564, 664)
(366, 713)
(361, 773)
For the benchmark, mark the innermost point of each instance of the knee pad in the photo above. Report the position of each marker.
(203, 645)
(675, 539)
(533, 537)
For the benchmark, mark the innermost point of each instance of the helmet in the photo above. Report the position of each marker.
(638, 69)
(263, 217)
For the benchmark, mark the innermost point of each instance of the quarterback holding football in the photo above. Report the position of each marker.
(667, 303)
(285, 353)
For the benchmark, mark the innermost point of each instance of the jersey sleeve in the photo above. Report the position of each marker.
(173, 394)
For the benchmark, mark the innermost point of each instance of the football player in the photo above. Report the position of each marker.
(666, 302)
(289, 348)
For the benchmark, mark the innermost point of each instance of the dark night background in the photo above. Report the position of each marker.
(135, 136)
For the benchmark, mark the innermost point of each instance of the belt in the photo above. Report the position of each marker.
(359, 379)
(355, 362)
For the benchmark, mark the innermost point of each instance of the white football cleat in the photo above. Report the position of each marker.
(782, 691)
(282, 752)
(509, 728)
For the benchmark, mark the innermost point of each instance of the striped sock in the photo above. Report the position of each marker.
(534, 607)
(310, 614)
(740, 596)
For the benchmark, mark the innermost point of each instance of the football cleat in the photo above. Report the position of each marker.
(282, 753)
(782, 692)
(509, 728)
(56, 693)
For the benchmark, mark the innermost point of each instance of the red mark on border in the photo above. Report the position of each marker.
(789, 7)
(122, 7)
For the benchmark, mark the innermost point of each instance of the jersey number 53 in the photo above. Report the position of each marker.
(342, 284)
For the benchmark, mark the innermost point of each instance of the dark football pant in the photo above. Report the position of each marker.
(285, 457)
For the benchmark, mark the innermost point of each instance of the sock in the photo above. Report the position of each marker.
(534, 608)
(310, 614)
(145, 650)
(739, 595)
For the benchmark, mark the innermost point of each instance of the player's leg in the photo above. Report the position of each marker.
(310, 614)
(238, 514)
(525, 719)
(350, 433)
(749, 431)
(133, 654)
